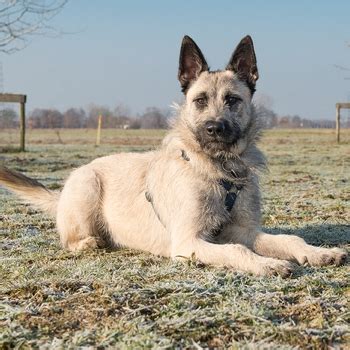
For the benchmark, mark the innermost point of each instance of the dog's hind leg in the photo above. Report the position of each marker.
(78, 211)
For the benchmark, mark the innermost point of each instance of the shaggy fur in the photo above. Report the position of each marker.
(171, 202)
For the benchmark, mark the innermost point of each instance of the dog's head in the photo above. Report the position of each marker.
(218, 106)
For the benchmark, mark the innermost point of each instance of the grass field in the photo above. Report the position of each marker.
(51, 298)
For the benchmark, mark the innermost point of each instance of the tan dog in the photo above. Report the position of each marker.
(197, 196)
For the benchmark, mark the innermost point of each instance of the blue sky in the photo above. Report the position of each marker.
(126, 52)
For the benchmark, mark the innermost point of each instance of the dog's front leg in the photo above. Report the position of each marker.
(235, 256)
(294, 248)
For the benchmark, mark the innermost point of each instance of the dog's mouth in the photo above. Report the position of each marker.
(217, 147)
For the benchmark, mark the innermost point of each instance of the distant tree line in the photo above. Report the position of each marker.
(74, 118)
(272, 120)
(152, 118)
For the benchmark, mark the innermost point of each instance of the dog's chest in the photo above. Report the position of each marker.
(218, 204)
(219, 199)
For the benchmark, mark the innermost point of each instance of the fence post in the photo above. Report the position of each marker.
(22, 126)
(98, 134)
(337, 122)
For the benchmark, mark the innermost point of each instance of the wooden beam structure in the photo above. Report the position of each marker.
(338, 107)
(13, 98)
(21, 99)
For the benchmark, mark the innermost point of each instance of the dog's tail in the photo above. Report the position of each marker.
(30, 190)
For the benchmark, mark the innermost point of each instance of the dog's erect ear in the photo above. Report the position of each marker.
(192, 63)
(243, 62)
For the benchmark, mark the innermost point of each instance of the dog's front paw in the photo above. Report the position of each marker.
(324, 256)
(275, 267)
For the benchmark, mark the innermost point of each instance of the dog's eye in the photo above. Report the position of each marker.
(200, 102)
(232, 100)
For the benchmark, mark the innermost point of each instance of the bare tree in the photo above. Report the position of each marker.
(122, 116)
(154, 118)
(263, 106)
(108, 121)
(343, 68)
(20, 19)
(8, 119)
(45, 118)
(74, 118)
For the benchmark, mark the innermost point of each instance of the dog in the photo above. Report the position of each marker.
(197, 197)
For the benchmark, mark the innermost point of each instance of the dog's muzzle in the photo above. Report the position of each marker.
(220, 131)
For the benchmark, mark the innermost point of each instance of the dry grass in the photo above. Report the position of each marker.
(129, 299)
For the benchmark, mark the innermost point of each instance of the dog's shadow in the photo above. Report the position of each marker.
(318, 235)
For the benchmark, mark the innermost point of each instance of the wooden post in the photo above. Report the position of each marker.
(98, 134)
(337, 122)
(21, 99)
(338, 107)
(22, 126)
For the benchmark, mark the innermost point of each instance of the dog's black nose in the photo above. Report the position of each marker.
(215, 128)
